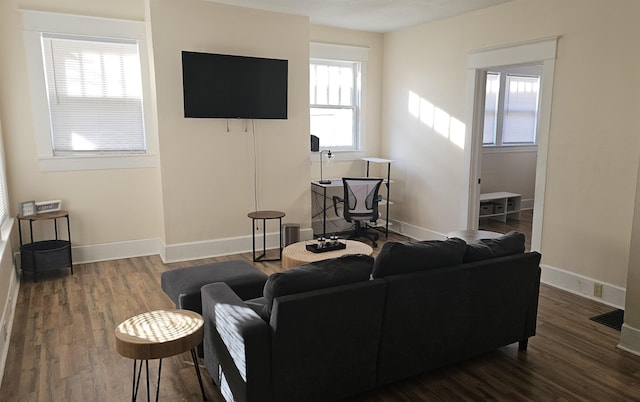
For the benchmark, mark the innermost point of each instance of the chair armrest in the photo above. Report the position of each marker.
(237, 345)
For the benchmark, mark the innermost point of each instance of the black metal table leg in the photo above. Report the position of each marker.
(195, 364)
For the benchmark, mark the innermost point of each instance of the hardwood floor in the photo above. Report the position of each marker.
(522, 225)
(63, 347)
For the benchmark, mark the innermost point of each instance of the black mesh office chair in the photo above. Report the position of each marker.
(359, 204)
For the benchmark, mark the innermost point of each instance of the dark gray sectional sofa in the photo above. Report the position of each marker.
(328, 330)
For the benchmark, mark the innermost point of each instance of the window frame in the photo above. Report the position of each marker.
(340, 54)
(522, 71)
(35, 23)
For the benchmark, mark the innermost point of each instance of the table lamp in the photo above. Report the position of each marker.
(321, 161)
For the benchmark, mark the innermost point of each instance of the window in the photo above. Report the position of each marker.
(89, 80)
(334, 102)
(95, 95)
(511, 109)
(335, 90)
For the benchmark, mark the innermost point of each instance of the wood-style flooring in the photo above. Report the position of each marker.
(63, 348)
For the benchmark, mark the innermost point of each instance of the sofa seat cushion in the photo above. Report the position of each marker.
(343, 270)
(405, 257)
(509, 244)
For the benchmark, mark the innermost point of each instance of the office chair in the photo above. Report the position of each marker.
(359, 204)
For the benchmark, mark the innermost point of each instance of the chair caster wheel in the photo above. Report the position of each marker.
(375, 244)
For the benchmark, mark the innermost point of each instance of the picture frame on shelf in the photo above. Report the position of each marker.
(27, 208)
(43, 207)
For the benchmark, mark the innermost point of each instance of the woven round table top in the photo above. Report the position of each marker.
(159, 334)
(296, 253)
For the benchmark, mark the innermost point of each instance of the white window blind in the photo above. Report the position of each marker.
(491, 108)
(520, 109)
(4, 213)
(94, 91)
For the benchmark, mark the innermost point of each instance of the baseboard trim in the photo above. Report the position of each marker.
(630, 339)
(7, 317)
(219, 247)
(583, 286)
(416, 232)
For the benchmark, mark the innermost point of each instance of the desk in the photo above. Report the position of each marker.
(321, 188)
(156, 335)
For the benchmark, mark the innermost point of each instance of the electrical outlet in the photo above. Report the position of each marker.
(597, 290)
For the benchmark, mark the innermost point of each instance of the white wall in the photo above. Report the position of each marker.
(212, 178)
(593, 151)
(593, 148)
(513, 171)
(107, 207)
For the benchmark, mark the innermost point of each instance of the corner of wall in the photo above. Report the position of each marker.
(630, 340)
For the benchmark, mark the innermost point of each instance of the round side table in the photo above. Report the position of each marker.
(471, 236)
(296, 253)
(156, 335)
(264, 215)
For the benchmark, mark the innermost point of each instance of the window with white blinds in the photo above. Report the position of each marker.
(94, 92)
(511, 109)
(4, 206)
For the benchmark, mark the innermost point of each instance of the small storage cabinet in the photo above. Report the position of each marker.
(500, 206)
(45, 255)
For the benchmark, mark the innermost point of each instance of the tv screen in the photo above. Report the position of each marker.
(226, 86)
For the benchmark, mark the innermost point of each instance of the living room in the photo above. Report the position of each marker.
(190, 199)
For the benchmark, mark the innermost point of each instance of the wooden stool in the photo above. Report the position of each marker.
(156, 335)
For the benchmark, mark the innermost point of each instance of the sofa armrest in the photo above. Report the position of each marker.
(237, 349)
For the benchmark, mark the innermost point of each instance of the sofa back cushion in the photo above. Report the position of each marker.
(405, 257)
(343, 270)
(509, 244)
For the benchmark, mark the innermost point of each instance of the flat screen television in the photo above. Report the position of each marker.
(227, 86)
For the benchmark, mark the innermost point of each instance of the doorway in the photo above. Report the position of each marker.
(541, 52)
(509, 147)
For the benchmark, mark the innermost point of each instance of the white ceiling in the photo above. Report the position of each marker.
(368, 15)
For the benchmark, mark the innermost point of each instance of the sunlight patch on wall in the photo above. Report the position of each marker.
(437, 119)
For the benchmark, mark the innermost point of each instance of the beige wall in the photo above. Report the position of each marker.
(207, 172)
(593, 150)
(514, 172)
(106, 206)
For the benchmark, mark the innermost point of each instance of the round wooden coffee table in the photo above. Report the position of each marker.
(156, 335)
(296, 254)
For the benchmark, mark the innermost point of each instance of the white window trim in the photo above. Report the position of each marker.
(331, 51)
(37, 22)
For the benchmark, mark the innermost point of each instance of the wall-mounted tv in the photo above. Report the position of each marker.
(227, 86)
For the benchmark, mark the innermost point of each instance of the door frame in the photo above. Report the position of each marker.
(541, 51)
